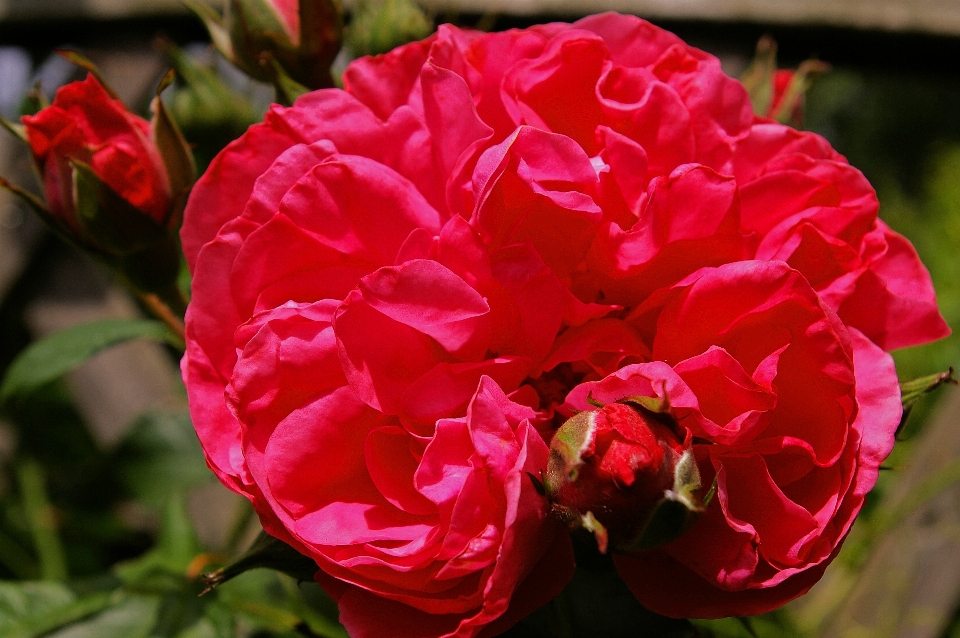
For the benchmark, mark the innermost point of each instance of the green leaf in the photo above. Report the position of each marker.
(159, 455)
(15, 558)
(178, 612)
(203, 104)
(177, 543)
(133, 617)
(380, 25)
(31, 609)
(46, 359)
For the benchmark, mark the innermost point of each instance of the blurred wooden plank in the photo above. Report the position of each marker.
(926, 16)
(931, 16)
(98, 9)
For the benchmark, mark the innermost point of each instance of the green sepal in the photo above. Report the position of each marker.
(758, 77)
(19, 131)
(593, 402)
(255, 26)
(287, 89)
(566, 451)
(537, 484)
(29, 199)
(800, 83)
(175, 152)
(676, 511)
(214, 24)
(35, 100)
(57, 225)
(85, 63)
(912, 391)
(590, 523)
(656, 405)
(268, 552)
(111, 223)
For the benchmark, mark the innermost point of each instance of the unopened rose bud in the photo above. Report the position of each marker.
(114, 183)
(269, 39)
(622, 473)
(779, 94)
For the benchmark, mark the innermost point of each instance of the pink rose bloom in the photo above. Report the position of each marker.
(396, 284)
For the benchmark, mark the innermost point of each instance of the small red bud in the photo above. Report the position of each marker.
(610, 469)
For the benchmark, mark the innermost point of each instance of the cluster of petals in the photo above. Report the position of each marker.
(398, 285)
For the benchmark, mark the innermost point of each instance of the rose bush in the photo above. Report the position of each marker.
(397, 285)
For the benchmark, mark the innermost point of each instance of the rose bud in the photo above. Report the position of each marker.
(779, 94)
(278, 40)
(622, 473)
(114, 183)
